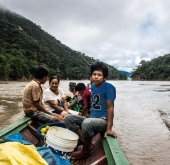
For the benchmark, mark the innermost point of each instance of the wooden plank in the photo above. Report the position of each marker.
(114, 154)
(97, 155)
(32, 128)
(28, 136)
(101, 161)
(15, 127)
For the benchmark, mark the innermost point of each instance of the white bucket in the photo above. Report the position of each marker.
(62, 140)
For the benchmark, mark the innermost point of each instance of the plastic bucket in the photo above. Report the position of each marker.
(61, 140)
(58, 124)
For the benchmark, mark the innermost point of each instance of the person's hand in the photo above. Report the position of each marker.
(111, 133)
(52, 114)
(60, 118)
(84, 115)
(67, 111)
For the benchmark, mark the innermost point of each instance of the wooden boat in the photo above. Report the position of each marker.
(106, 151)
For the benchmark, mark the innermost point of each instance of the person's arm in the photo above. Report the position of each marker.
(41, 107)
(73, 103)
(65, 105)
(84, 113)
(54, 105)
(85, 104)
(110, 116)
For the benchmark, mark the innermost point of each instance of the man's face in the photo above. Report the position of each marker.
(45, 79)
(97, 77)
(80, 92)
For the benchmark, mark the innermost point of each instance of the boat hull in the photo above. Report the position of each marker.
(106, 151)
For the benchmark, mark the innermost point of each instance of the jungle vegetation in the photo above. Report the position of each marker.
(156, 69)
(24, 46)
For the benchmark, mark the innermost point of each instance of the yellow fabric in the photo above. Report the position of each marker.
(14, 153)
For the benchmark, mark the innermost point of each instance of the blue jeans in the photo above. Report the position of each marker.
(88, 126)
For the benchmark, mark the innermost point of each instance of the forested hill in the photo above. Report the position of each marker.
(156, 69)
(24, 46)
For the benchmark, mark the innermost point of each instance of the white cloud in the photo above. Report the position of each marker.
(120, 33)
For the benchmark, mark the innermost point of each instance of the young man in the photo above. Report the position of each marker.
(85, 93)
(32, 98)
(101, 116)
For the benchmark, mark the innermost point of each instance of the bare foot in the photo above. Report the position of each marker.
(79, 155)
(91, 147)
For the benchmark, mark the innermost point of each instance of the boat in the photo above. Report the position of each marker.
(106, 152)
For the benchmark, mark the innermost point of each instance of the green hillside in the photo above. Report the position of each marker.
(24, 46)
(156, 69)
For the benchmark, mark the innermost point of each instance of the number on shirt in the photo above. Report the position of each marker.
(95, 102)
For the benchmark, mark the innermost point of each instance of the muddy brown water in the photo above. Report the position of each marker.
(142, 117)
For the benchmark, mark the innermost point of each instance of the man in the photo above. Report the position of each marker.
(101, 116)
(32, 98)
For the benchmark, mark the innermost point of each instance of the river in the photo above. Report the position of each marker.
(142, 117)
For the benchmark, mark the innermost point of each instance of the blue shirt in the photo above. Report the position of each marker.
(99, 96)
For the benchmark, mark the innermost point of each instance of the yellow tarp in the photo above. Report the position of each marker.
(14, 153)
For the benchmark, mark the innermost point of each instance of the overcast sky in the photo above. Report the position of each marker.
(118, 32)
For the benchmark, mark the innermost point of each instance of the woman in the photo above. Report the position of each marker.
(54, 99)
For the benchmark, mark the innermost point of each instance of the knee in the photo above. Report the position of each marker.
(67, 118)
(87, 130)
(86, 124)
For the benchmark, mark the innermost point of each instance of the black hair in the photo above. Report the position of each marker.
(54, 77)
(72, 86)
(41, 72)
(80, 86)
(100, 66)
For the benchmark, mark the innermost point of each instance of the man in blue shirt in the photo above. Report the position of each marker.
(101, 116)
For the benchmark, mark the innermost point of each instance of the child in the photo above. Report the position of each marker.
(101, 116)
(74, 103)
(85, 93)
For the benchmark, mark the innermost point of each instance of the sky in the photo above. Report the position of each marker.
(120, 33)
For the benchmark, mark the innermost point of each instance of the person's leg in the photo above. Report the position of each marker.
(73, 122)
(41, 116)
(84, 152)
(90, 127)
(60, 117)
(64, 113)
(46, 118)
(57, 118)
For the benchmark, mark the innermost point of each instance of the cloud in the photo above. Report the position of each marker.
(120, 33)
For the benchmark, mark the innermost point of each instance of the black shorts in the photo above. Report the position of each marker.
(57, 111)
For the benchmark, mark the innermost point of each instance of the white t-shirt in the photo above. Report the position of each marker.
(49, 95)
